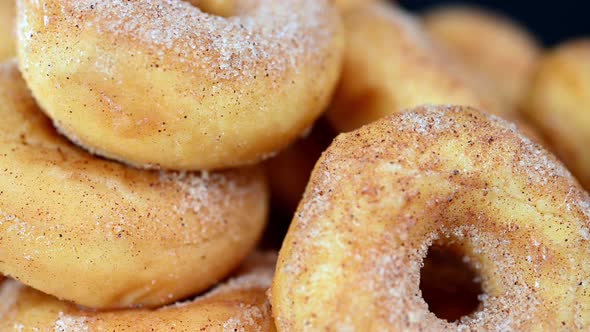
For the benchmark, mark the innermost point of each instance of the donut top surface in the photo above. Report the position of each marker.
(382, 195)
(181, 36)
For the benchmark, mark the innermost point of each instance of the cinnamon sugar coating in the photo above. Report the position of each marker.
(108, 236)
(381, 195)
(240, 304)
(161, 84)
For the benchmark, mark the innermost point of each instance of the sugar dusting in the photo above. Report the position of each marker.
(9, 295)
(535, 162)
(14, 224)
(423, 124)
(247, 321)
(214, 197)
(390, 277)
(261, 278)
(66, 323)
(393, 276)
(203, 190)
(264, 37)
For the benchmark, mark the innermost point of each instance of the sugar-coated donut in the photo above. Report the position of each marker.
(559, 105)
(7, 21)
(108, 236)
(391, 64)
(381, 195)
(237, 305)
(489, 43)
(162, 84)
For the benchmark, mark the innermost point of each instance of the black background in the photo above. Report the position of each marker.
(550, 21)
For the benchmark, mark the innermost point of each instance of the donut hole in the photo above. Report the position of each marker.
(450, 285)
(223, 8)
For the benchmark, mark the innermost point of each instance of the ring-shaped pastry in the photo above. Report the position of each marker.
(162, 84)
(382, 195)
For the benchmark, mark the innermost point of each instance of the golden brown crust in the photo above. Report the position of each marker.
(240, 304)
(107, 236)
(492, 45)
(559, 105)
(381, 195)
(391, 64)
(162, 84)
(7, 33)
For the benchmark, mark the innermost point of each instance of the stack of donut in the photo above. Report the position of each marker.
(144, 146)
(131, 196)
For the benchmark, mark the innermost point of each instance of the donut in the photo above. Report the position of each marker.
(161, 84)
(558, 104)
(380, 196)
(7, 40)
(103, 235)
(480, 39)
(239, 304)
(391, 64)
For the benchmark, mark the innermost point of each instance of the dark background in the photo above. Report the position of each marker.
(550, 21)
